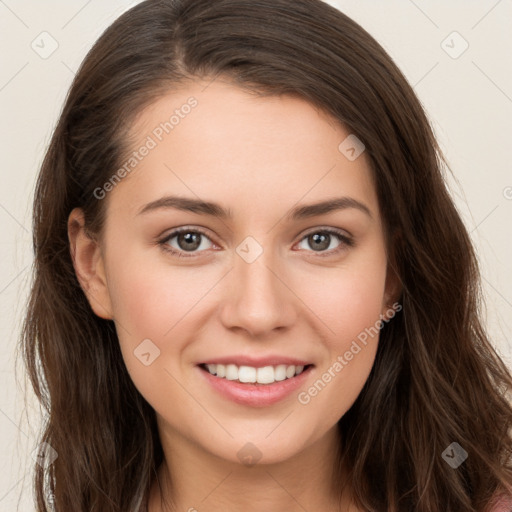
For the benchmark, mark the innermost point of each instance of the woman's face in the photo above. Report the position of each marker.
(260, 277)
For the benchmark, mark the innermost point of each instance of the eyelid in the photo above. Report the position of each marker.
(328, 229)
(183, 229)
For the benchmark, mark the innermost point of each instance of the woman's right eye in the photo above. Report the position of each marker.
(184, 240)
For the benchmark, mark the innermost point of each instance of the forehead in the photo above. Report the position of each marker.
(214, 140)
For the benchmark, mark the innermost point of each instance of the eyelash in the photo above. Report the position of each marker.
(345, 240)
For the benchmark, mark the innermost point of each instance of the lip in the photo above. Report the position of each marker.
(255, 395)
(257, 362)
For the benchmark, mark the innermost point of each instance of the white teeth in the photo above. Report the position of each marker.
(265, 375)
(231, 372)
(290, 372)
(249, 374)
(280, 372)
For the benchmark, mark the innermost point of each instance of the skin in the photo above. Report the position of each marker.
(259, 157)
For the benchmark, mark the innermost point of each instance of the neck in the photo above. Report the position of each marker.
(202, 481)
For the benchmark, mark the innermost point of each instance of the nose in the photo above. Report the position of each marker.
(258, 298)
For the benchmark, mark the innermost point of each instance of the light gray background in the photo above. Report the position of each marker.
(468, 99)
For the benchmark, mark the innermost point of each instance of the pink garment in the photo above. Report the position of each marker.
(503, 505)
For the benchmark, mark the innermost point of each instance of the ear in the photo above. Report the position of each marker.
(392, 290)
(89, 266)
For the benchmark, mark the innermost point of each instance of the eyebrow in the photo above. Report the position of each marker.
(216, 210)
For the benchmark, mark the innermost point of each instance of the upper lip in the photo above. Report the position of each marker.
(257, 362)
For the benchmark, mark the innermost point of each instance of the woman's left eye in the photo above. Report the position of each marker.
(321, 241)
(186, 240)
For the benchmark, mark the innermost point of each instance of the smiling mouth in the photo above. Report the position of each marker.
(251, 375)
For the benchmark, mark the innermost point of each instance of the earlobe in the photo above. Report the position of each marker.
(89, 265)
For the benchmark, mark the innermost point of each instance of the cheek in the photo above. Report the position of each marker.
(351, 313)
(153, 308)
(160, 303)
(349, 307)
(351, 344)
(348, 300)
(150, 299)
(336, 386)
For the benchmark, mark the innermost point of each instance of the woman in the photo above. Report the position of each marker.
(252, 289)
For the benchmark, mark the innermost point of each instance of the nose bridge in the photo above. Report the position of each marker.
(256, 299)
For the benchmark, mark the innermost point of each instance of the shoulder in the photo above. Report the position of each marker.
(502, 503)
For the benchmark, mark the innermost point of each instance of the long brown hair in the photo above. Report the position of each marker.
(436, 379)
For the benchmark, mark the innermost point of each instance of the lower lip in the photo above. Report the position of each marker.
(256, 395)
